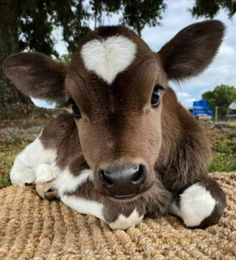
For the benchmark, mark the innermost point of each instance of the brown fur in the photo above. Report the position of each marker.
(201, 38)
(36, 75)
(118, 124)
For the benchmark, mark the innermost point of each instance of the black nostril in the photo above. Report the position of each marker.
(139, 175)
(122, 181)
(106, 178)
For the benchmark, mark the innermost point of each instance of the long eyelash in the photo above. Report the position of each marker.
(70, 102)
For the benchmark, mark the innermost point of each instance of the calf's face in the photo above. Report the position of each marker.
(116, 86)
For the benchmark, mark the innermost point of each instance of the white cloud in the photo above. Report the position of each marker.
(184, 97)
(182, 94)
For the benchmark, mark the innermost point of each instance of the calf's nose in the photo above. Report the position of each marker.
(123, 181)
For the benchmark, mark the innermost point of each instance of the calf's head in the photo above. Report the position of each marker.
(116, 85)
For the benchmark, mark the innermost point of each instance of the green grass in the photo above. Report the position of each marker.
(4, 181)
(8, 151)
(224, 154)
(232, 123)
(15, 140)
(223, 163)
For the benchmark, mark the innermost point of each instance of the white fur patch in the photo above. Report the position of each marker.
(196, 204)
(35, 164)
(67, 182)
(124, 222)
(21, 175)
(109, 57)
(29, 160)
(84, 206)
(45, 172)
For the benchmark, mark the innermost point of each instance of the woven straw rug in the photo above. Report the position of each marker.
(31, 228)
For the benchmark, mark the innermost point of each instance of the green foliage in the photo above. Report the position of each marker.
(222, 96)
(210, 8)
(139, 13)
(35, 26)
(66, 58)
(38, 18)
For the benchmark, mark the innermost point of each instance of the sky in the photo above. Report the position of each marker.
(177, 16)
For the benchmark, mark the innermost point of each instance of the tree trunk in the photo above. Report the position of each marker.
(8, 45)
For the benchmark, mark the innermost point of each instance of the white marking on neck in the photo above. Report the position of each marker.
(124, 222)
(67, 182)
(109, 57)
(84, 206)
(196, 204)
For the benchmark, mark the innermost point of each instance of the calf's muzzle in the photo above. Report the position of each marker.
(123, 181)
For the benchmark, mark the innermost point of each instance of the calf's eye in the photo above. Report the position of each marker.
(75, 109)
(155, 100)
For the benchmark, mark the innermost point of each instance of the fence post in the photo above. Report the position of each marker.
(216, 113)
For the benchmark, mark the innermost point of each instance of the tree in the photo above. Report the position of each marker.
(210, 8)
(222, 96)
(29, 24)
(8, 44)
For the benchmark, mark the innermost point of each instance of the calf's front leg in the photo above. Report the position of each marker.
(36, 165)
(200, 205)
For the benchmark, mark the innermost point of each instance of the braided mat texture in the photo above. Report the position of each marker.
(31, 228)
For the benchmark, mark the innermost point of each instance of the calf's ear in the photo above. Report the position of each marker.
(36, 75)
(192, 49)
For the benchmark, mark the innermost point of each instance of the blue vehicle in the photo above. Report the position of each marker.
(201, 109)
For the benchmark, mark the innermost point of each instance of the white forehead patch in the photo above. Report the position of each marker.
(109, 57)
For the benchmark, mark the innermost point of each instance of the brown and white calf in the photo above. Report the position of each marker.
(129, 149)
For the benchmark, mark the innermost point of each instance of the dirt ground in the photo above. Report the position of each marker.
(21, 124)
